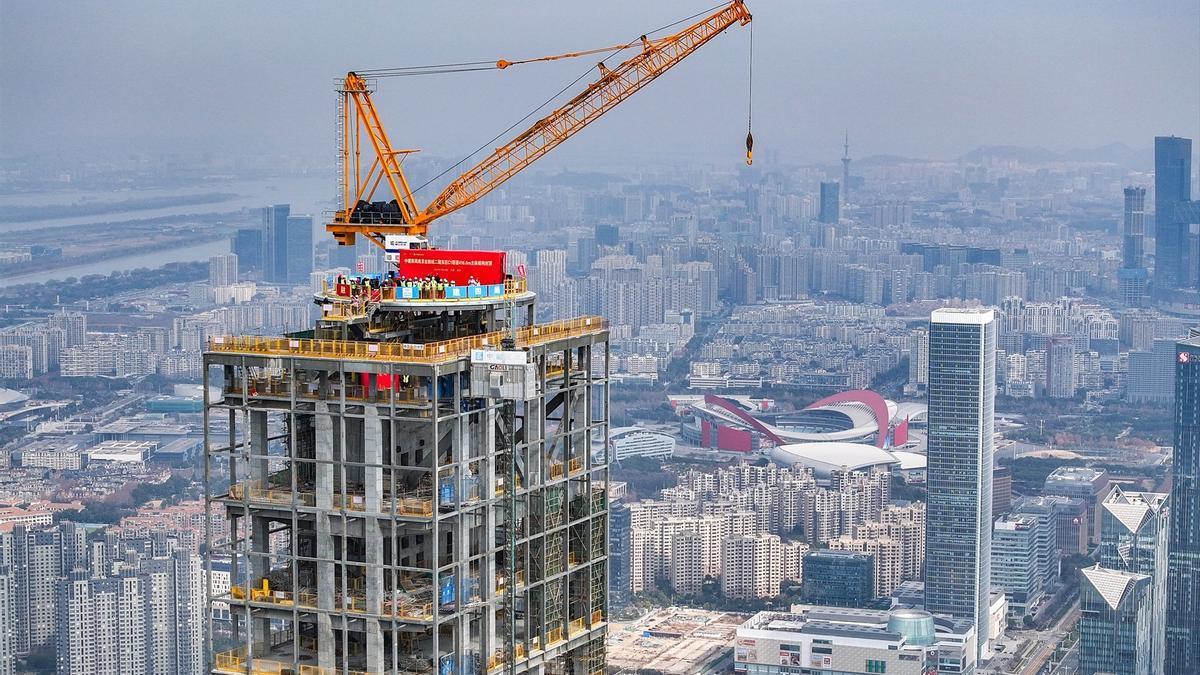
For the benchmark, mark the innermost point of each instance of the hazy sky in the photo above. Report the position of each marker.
(916, 78)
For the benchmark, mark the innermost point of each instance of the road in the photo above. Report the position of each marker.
(1050, 639)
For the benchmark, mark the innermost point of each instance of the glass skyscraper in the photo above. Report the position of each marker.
(1133, 540)
(958, 528)
(1172, 185)
(1115, 624)
(1183, 567)
(830, 206)
(274, 243)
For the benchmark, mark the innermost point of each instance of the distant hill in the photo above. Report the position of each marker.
(1115, 153)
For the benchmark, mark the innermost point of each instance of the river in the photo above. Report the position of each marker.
(186, 253)
(306, 193)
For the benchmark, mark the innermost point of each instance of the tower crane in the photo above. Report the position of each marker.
(360, 213)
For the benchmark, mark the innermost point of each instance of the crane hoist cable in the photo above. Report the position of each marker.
(750, 103)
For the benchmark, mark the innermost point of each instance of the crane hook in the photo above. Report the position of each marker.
(749, 148)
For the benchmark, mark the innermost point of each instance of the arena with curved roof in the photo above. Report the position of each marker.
(857, 417)
(825, 458)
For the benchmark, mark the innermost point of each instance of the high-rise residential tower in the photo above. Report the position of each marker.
(416, 487)
(958, 527)
(1183, 566)
(1133, 276)
(222, 269)
(1060, 367)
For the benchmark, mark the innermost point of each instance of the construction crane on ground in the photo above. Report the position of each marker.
(400, 218)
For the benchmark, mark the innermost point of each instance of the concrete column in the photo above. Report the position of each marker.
(326, 589)
(258, 445)
(375, 663)
(373, 458)
(372, 539)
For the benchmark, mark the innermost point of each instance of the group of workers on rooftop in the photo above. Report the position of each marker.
(427, 288)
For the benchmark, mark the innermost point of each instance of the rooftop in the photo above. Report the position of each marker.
(674, 640)
(445, 351)
(967, 315)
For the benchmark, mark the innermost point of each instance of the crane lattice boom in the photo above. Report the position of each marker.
(359, 117)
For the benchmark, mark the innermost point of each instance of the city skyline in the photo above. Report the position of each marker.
(868, 344)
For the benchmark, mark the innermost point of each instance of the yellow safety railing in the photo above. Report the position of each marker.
(281, 386)
(416, 603)
(236, 661)
(576, 627)
(555, 636)
(556, 470)
(597, 617)
(576, 465)
(395, 352)
(419, 504)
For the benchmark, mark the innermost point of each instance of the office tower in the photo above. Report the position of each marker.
(1116, 622)
(831, 208)
(839, 578)
(299, 246)
(416, 492)
(962, 364)
(1001, 489)
(1133, 277)
(222, 269)
(1083, 483)
(248, 247)
(287, 245)
(1152, 373)
(619, 541)
(1172, 186)
(274, 242)
(607, 234)
(1015, 563)
(1048, 512)
(1134, 538)
(1183, 566)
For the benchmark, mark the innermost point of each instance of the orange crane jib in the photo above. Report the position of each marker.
(359, 213)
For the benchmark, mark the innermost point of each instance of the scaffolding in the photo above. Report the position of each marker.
(384, 517)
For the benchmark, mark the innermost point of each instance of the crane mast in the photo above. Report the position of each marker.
(358, 118)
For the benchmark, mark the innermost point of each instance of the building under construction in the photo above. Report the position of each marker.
(419, 484)
(420, 498)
